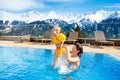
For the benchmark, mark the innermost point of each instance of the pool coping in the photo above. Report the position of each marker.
(92, 49)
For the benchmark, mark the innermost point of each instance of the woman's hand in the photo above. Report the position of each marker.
(58, 45)
(64, 46)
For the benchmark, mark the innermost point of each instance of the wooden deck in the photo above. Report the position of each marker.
(90, 41)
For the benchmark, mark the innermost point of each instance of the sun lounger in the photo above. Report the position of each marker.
(23, 38)
(46, 37)
(72, 37)
(100, 37)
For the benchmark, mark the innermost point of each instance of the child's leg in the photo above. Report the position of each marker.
(57, 55)
(55, 60)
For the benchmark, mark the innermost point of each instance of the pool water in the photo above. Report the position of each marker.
(35, 64)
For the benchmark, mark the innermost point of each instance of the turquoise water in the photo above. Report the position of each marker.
(35, 64)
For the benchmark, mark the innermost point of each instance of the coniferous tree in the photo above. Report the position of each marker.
(77, 29)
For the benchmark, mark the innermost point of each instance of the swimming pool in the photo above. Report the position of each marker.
(35, 64)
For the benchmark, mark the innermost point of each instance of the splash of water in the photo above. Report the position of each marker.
(62, 66)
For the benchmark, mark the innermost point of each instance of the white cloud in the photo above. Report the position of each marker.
(64, 0)
(116, 5)
(98, 16)
(34, 16)
(58, 0)
(19, 5)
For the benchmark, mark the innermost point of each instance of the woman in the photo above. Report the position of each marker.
(74, 57)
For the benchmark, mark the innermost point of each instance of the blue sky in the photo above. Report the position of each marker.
(60, 6)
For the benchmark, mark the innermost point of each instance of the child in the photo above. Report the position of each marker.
(58, 39)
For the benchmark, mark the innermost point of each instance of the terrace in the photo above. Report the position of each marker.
(106, 49)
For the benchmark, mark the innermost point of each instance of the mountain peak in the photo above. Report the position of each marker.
(70, 18)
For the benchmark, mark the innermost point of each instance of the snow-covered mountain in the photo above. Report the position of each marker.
(36, 23)
(70, 18)
(35, 16)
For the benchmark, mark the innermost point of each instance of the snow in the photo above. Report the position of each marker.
(70, 18)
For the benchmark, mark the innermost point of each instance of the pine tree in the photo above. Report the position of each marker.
(77, 29)
(84, 35)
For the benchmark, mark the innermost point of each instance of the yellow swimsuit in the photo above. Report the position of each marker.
(57, 40)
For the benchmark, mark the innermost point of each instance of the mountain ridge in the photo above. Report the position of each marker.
(69, 18)
(106, 21)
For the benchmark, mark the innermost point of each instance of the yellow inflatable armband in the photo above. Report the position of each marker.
(57, 40)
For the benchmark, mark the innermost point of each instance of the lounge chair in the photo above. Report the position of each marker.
(37, 38)
(26, 38)
(100, 37)
(23, 38)
(46, 37)
(72, 37)
(18, 40)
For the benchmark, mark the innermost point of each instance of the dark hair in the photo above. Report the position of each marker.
(80, 48)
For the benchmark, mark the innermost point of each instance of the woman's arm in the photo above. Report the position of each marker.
(69, 58)
(60, 45)
(72, 60)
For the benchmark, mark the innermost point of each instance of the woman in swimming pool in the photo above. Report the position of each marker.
(74, 57)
